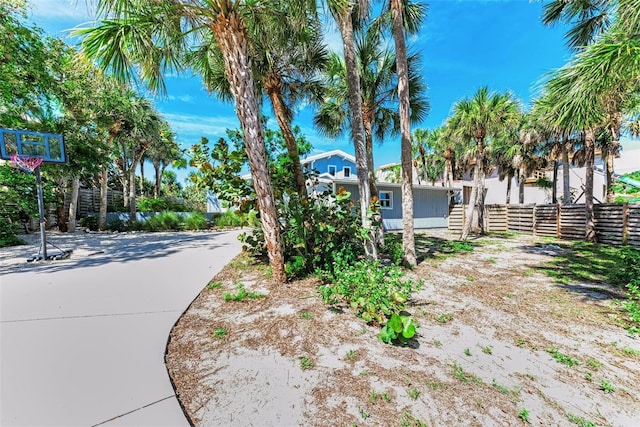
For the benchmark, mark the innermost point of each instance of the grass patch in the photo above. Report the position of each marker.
(445, 318)
(465, 377)
(562, 358)
(487, 350)
(306, 315)
(524, 415)
(582, 422)
(214, 285)
(305, 363)
(220, 333)
(242, 295)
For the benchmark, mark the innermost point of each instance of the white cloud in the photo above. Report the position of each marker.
(190, 127)
(184, 98)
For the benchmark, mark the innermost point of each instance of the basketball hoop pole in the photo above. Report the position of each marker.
(43, 234)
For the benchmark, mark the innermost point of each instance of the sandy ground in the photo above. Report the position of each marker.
(490, 321)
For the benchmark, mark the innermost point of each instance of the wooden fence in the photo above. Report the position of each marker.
(616, 224)
(89, 201)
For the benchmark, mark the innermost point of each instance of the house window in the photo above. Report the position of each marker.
(332, 170)
(346, 171)
(386, 199)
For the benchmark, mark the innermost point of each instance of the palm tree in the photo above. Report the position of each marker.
(590, 18)
(379, 96)
(343, 12)
(578, 109)
(162, 154)
(154, 37)
(397, 8)
(487, 115)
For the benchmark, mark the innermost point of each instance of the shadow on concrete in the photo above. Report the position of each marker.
(103, 248)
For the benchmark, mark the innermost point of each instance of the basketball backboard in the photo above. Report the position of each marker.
(48, 146)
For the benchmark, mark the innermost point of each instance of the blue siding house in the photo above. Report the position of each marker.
(338, 169)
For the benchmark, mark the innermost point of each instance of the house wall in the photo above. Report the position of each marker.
(322, 165)
(430, 207)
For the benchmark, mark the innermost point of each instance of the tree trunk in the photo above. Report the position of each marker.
(132, 193)
(589, 147)
(566, 189)
(554, 191)
(61, 215)
(609, 176)
(475, 198)
(522, 178)
(102, 216)
(376, 216)
(142, 177)
(509, 179)
(73, 205)
(408, 242)
(158, 181)
(231, 36)
(273, 87)
(357, 127)
(448, 164)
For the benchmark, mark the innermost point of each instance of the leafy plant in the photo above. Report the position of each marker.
(408, 420)
(220, 332)
(242, 294)
(373, 290)
(400, 328)
(164, 221)
(467, 351)
(305, 363)
(352, 354)
(413, 393)
(487, 350)
(306, 315)
(445, 318)
(463, 376)
(90, 222)
(524, 415)
(606, 386)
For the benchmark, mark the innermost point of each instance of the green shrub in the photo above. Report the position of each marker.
(164, 221)
(90, 222)
(376, 292)
(8, 232)
(316, 234)
(197, 221)
(118, 225)
(231, 219)
(160, 204)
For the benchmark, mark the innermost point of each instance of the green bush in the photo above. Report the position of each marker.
(316, 233)
(231, 219)
(118, 225)
(164, 221)
(90, 222)
(375, 291)
(161, 204)
(197, 221)
(8, 232)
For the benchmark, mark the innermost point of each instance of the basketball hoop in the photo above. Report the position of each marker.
(26, 163)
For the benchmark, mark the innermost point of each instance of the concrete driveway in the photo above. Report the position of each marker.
(82, 340)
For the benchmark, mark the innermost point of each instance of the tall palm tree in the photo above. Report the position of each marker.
(343, 12)
(377, 68)
(287, 58)
(397, 9)
(577, 109)
(154, 37)
(487, 115)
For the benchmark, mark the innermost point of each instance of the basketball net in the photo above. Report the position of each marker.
(26, 163)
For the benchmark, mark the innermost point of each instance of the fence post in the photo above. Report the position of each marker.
(534, 223)
(625, 223)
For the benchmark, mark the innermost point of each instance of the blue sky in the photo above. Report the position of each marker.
(464, 44)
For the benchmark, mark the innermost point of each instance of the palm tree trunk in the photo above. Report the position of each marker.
(376, 216)
(408, 241)
(231, 36)
(476, 199)
(589, 146)
(509, 179)
(521, 181)
(449, 172)
(566, 189)
(73, 205)
(357, 127)
(142, 177)
(158, 179)
(102, 216)
(554, 191)
(132, 192)
(273, 87)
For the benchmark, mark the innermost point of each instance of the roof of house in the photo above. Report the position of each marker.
(328, 154)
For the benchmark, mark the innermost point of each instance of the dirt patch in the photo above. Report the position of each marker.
(499, 343)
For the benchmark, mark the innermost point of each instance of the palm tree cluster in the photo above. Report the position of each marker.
(108, 127)
(250, 51)
(583, 106)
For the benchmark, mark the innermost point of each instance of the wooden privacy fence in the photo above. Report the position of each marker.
(614, 223)
(89, 201)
